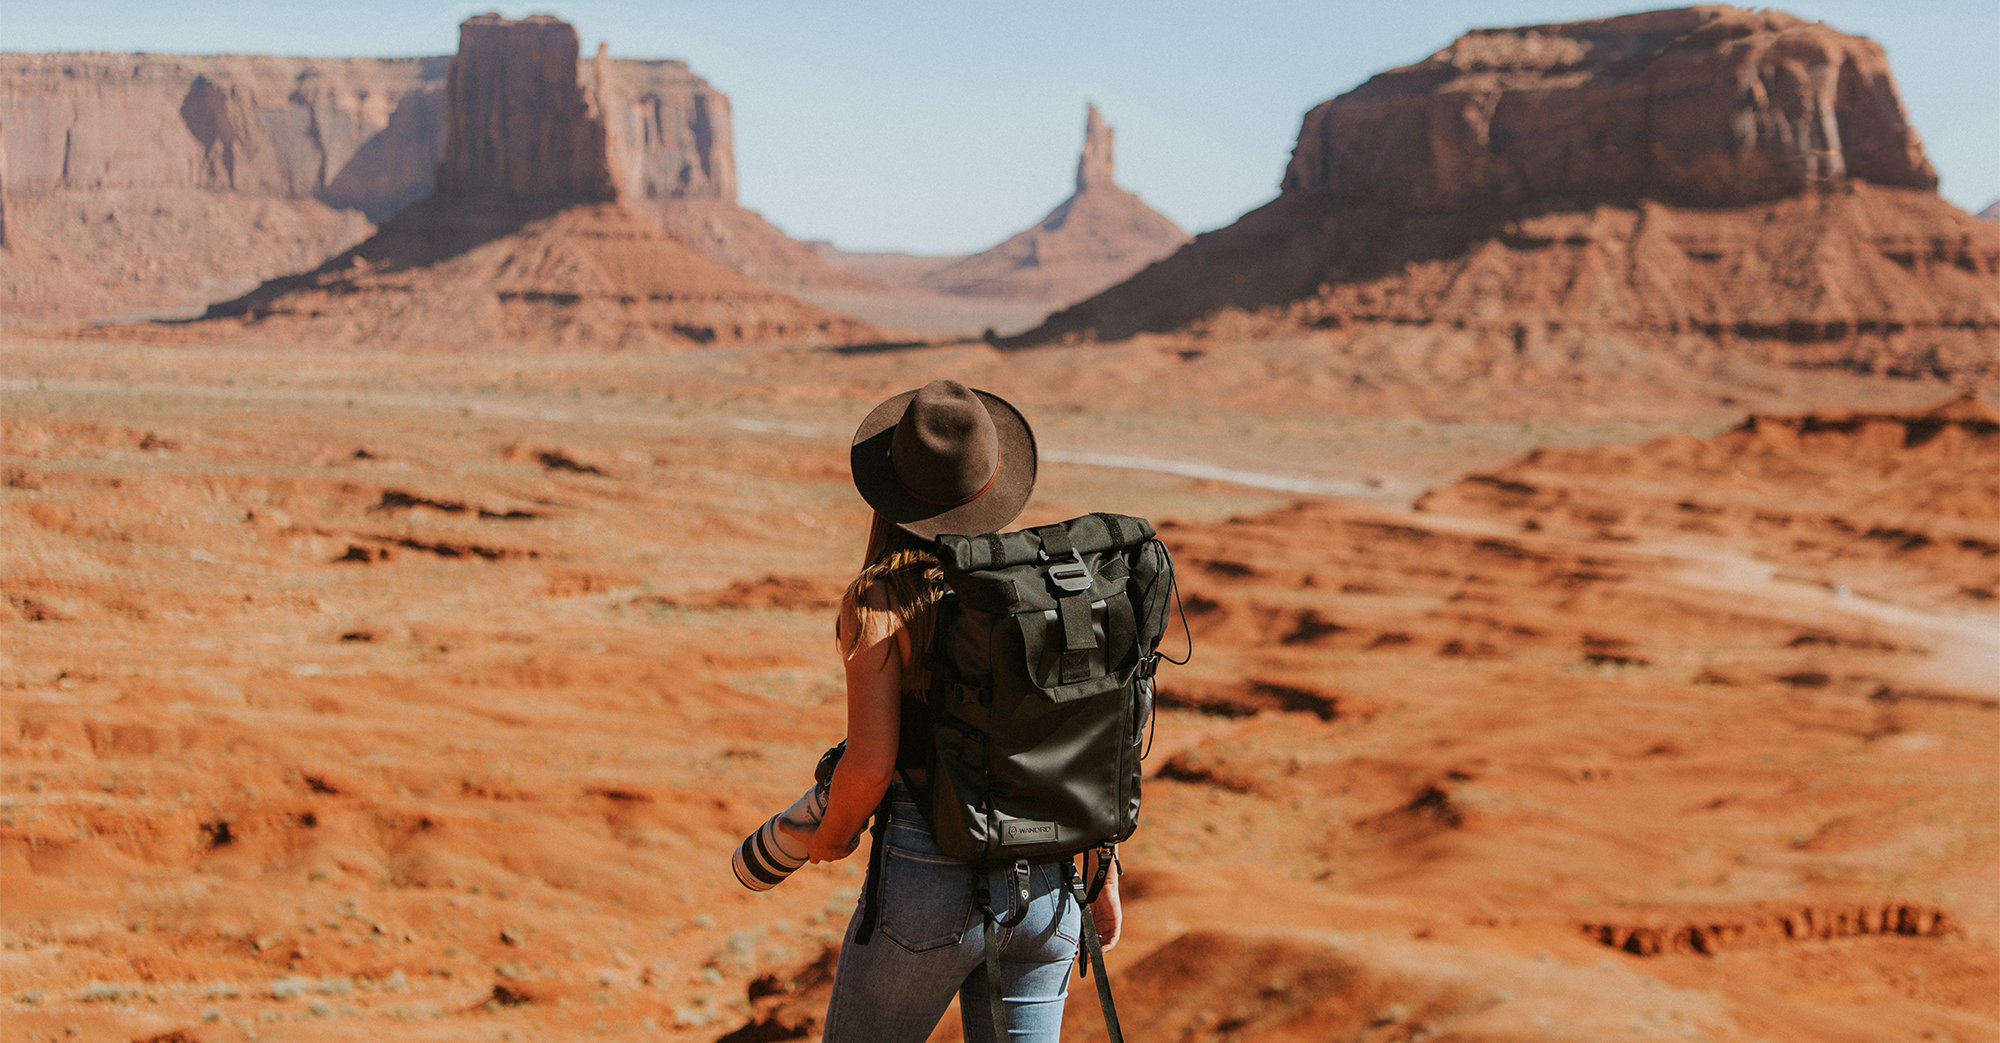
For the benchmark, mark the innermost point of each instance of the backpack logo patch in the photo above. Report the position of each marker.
(1026, 831)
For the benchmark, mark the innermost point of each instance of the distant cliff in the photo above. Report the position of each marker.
(133, 183)
(359, 132)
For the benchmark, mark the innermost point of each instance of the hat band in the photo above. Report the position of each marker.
(915, 495)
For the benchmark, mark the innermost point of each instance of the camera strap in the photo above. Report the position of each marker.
(871, 888)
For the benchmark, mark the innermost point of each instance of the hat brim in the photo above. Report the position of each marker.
(1002, 501)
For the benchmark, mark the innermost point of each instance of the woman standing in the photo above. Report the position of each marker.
(942, 459)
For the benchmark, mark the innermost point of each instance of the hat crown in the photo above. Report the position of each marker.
(945, 449)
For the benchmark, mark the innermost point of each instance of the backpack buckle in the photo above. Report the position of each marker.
(1072, 575)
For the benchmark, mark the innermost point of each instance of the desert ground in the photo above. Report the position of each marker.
(359, 695)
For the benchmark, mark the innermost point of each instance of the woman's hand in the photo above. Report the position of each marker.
(1107, 915)
(820, 847)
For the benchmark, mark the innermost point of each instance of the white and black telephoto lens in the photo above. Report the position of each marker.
(769, 855)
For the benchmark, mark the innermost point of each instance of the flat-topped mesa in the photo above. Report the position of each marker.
(1097, 164)
(1703, 106)
(519, 121)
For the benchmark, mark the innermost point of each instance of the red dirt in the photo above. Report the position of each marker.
(485, 776)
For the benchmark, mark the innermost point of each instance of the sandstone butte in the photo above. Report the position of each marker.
(146, 183)
(1703, 182)
(527, 238)
(1098, 237)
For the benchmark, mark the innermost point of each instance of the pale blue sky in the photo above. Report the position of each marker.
(941, 127)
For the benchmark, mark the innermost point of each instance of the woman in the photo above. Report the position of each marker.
(941, 459)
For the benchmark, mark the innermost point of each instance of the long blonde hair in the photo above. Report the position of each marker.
(899, 586)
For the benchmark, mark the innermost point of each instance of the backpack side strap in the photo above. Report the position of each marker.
(1093, 951)
(996, 1008)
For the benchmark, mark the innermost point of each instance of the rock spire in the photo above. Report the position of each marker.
(1095, 167)
(1095, 238)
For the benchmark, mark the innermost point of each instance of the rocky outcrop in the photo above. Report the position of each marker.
(524, 241)
(1705, 106)
(669, 132)
(1526, 197)
(1095, 238)
(518, 121)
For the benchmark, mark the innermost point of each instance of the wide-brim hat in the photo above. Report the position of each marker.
(945, 458)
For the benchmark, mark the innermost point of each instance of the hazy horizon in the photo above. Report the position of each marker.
(898, 126)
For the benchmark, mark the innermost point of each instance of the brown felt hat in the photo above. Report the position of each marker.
(945, 458)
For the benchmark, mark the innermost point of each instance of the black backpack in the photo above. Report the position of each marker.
(1041, 693)
(1041, 688)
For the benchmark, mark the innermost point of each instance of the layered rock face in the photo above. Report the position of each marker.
(1527, 200)
(524, 241)
(1094, 239)
(146, 182)
(361, 132)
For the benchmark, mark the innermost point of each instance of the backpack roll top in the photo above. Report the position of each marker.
(1083, 598)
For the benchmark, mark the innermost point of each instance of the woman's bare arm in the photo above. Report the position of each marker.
(874, 711)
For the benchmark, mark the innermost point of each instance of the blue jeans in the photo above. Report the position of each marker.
(930, 943)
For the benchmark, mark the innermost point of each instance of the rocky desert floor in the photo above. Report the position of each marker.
(361, 695)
